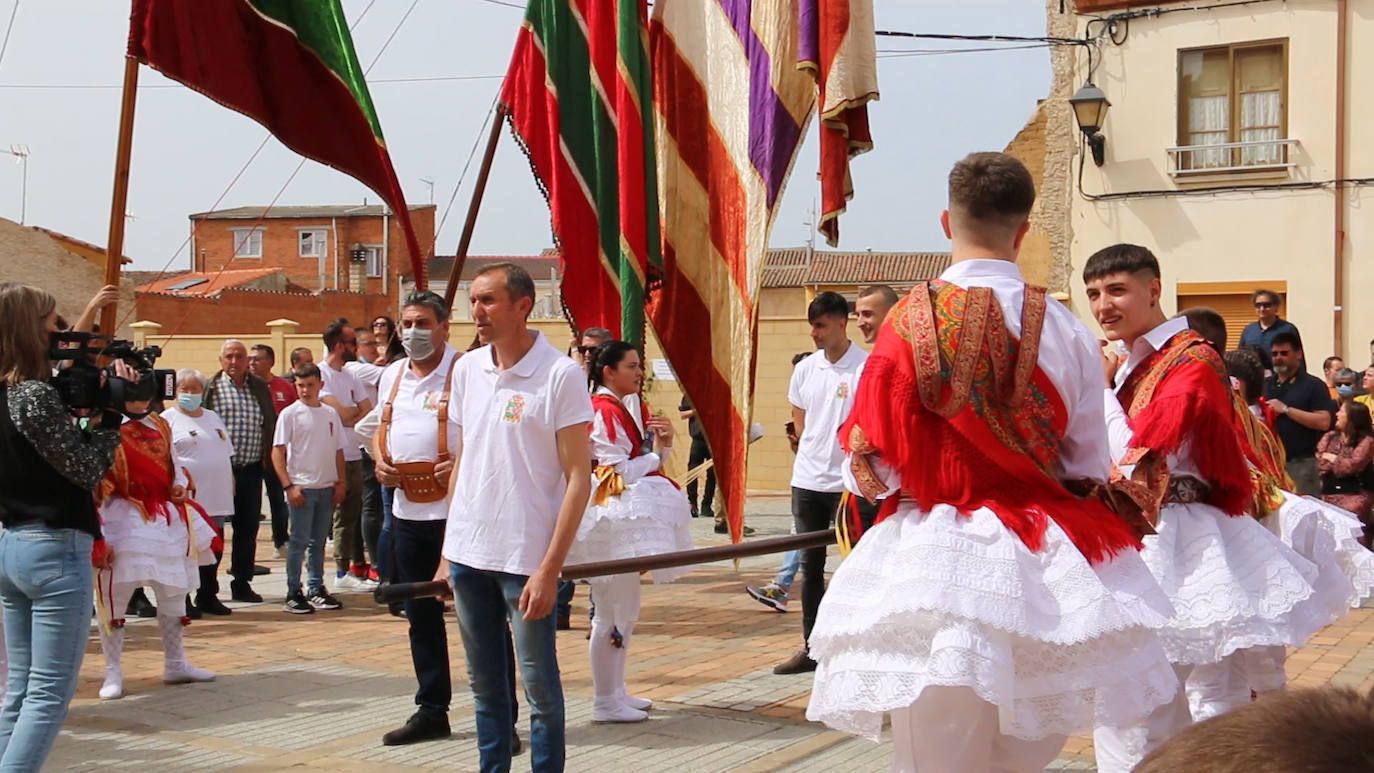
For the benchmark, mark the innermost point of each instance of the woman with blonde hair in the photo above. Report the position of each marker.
(49, 469)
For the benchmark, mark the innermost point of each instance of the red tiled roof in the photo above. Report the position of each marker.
(206, 283)
(790, 267)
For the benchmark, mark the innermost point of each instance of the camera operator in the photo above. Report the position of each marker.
(48, 471)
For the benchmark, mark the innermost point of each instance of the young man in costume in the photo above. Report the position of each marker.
(1173, 431)
(992, 610)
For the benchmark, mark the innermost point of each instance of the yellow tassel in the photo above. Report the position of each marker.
(842, 527)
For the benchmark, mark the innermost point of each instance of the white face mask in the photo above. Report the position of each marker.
(419, 344)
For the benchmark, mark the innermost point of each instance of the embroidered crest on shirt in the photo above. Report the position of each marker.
(842, 391)
(431, 402)
(515, 409)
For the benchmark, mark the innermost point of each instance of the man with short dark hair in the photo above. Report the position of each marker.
(1330, 367)
(1261, 332)
(1304, 407)
(261, 361)
(821, 393)
(345, 393)
(520, 484)
(871, 308)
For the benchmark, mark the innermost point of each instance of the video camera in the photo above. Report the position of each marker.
(79, 383)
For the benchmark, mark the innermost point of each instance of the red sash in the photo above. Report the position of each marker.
(614, 413)
(961, 409)
(143, 474)
(1179, 396)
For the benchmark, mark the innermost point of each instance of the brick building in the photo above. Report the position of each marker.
(70, 269)
(352, 248)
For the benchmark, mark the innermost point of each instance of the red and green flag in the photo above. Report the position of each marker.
(577, 93)
(287, 64)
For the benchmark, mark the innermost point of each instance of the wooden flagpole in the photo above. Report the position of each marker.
(114, 245)
(478, 188)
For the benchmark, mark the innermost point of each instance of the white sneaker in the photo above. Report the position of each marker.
(185, 673)
(349, 582)
(641, 704)
(615, 711)
(367, 584)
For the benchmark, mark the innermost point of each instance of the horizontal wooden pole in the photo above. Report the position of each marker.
(402, 591)
(758, 547)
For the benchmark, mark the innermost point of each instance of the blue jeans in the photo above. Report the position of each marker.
(385, 561)
(45, 590)
(309, 529)
(791, 564)
(485, 601)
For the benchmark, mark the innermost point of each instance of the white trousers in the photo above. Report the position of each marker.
(1216, 688)
(1120, 749)
(952, 730)
(617, 608)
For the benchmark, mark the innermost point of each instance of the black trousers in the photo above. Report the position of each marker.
(245, 521)
(812, 511)
(371, 530)
(701, 452)
(417, 546)
(276, 502)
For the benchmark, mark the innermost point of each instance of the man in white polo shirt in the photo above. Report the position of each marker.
(521, 487)
(347, 395)
(821, 394)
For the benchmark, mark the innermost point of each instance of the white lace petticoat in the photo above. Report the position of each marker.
(155, 550)
(1328, 536)
(1233, 584)
(650, 517)
(947, 599)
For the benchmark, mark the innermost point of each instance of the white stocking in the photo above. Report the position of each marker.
(176, 670)
(112, 647)
(617, 606)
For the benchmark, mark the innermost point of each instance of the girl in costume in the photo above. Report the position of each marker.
(158, 537)
(636, 511)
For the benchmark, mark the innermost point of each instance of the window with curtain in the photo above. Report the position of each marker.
(1232, 94)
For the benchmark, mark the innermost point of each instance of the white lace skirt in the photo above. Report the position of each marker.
(1328, 536)
(1057, 644)
(154, 551)
(649, 518)
(1233, 584)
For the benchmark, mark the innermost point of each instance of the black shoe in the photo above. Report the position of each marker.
(209, 604)
(515, 746)
(140, 606)
(244, 592)
(321, 599)
(397, 609)
(259, 570)
(722, 527)
(191, 612)
(695, 512)
(297, 605)
(422, 726)
(799, 663)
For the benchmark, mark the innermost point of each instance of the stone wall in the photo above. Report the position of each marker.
(32, 257)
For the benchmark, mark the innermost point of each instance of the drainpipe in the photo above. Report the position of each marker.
(1338, 238)
(386, 243)
(334, 244)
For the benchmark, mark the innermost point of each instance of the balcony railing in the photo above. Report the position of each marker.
(1255, 156)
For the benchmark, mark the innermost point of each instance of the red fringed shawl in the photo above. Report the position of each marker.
(961, 409)
(614, 413)
(143, 474)
(1178, 396)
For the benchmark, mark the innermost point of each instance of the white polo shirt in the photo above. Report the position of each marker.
(348, 389)
(414, 432)
(367, 374)
(201, 445)
(312, 436)
(825, 390)
(510, 482)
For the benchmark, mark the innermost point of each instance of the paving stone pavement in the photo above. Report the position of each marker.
(317, 691)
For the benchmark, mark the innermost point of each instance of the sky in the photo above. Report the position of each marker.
(433, 85)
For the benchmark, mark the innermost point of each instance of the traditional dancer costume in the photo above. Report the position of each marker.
(155, 542)
(636, 511)
(1323, 534)
(991, 610)
(1232, 583)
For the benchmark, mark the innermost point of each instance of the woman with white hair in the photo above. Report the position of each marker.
(201, 445)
